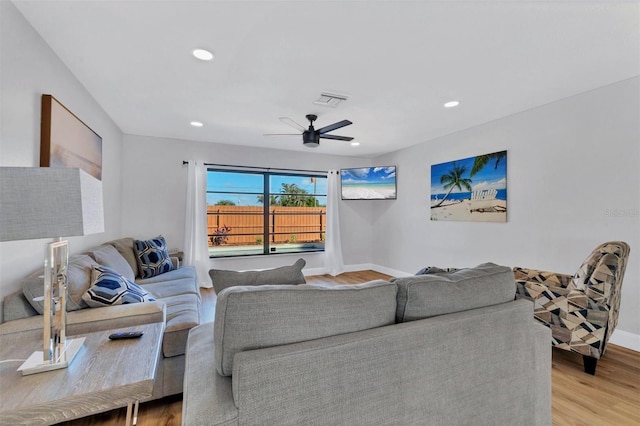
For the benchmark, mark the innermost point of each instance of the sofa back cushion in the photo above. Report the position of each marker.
(78, 278)
(107, 255)
(125, 248)
(259, 317)
(222, 279)
(429, 295)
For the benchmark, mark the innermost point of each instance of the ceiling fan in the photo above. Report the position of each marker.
(311, 136)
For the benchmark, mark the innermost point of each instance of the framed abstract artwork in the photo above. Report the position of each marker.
(65, 141)
(471, 189)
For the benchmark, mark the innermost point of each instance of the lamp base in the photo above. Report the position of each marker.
(35, 364)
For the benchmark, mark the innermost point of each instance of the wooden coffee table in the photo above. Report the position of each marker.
(105, 375)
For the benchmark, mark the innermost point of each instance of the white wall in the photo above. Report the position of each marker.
(154, 194)
(573, 183)
(29, 68)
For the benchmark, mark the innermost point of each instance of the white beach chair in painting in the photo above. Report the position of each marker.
(483, 200)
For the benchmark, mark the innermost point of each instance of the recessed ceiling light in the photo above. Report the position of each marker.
(196, 124)
(202, 54)
(451, 104)
(355, 143)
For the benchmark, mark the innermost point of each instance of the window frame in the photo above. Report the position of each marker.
(267, 192)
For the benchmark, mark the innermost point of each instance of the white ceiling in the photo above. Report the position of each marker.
(398, 61)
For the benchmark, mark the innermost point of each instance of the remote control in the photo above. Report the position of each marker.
(126, 335)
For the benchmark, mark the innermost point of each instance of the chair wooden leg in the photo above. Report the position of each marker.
(589, 364)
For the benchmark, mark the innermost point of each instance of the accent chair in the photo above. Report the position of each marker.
(581, 310)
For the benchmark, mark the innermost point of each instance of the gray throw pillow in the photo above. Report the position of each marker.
(222, 279)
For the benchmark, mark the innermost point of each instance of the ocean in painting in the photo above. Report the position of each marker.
(459, 196)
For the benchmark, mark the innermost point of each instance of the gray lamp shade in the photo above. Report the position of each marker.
(49, 202)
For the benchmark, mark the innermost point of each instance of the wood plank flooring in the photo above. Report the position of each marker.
(610, 398)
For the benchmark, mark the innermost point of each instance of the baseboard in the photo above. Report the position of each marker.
(389, 271)
(626, 339)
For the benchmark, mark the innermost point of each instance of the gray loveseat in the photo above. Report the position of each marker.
(440, 349)
(177, 304)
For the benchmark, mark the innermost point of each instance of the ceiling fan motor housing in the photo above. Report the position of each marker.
(311, 138)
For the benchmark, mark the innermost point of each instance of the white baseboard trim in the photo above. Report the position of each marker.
(389, 271)
(626, 339)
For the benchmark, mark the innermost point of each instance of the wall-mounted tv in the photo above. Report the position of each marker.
(369, 183)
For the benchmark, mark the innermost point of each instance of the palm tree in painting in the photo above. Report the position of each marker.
(454, 179)
(482, 160)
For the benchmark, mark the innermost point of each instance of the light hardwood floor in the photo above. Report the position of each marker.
(611, 397)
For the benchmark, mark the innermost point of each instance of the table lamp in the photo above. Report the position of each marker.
(48, 202)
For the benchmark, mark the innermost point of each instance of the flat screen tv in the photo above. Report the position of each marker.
(368, 183)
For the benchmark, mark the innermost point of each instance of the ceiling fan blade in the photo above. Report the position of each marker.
(290, 122)
(334, 126)
(339, 138)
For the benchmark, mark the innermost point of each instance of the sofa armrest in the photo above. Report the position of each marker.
(113, 317)
(207, 396)
(96, 319)
(543, 277)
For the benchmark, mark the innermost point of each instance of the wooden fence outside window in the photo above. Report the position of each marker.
(244, 225)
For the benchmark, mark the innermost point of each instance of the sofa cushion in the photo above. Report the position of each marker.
(187, 271)
(174, 287)
(222, 279)
(110, 288)
(258, 317)
(125, 248)
(183, 313)
(107, 255)
(424, 296)
(152, 257)
(78, 281)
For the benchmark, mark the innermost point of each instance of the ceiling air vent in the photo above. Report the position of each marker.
(330, 99)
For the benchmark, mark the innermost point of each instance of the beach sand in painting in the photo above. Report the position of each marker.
(461, 211)
(367, 192)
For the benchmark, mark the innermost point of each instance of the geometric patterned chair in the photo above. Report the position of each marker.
(581, 310)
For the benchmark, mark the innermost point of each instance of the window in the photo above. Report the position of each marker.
(252, 213)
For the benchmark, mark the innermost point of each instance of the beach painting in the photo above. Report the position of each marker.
(368, 183)
(471, 189)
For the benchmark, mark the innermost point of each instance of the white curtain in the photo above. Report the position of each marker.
(196, 250)
(333, 247)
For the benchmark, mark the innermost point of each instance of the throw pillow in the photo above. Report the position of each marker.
(222, 279)
(110, 288)
(153, 257)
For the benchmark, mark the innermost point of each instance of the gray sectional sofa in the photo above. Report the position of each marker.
(177, 304)
(440, 349)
